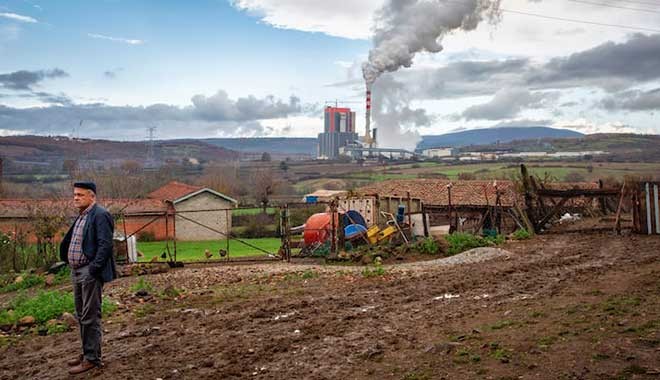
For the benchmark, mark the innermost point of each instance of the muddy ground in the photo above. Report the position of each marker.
(560, 306)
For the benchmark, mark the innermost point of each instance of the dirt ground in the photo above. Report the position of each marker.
(559, 306)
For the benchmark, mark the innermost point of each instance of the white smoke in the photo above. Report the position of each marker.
(403, 29)
(397, 121)
(407, 27)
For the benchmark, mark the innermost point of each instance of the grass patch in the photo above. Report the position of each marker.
(44, 306)
(375, 271)
(142, 284)
(460, 242)
(305, 275)
(521, 234)
(417, 376)
(253, 211)
(600, 357)
(502, 324)
(28, 280)
(195, 250)
(547, 341)
(144, 310)
(620, 305)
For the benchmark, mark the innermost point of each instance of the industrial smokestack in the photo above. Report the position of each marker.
(367, 131)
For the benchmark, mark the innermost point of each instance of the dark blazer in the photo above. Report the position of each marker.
(96, 244)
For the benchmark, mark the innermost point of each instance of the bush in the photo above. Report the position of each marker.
(521, 234)
(460, 242)
(146, 236)
(257, 227)
(376, 271)
(466, 176)
(29, 280)
(142, 284)
(44, 306)
(431, 246)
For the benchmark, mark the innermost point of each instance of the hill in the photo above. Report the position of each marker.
(283, 145)
(51, 152)
(621, 147)
(493, 135)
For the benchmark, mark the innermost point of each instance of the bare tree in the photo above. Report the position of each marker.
(264, 185)
(222, 178)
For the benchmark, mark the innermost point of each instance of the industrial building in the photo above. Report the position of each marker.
(338, 132)
(439, 152)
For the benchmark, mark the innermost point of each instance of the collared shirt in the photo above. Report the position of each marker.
(76, 256)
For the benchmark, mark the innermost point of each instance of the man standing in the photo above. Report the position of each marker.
(87, 248)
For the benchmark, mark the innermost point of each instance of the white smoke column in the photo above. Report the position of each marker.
(396, 120)
(407, 27)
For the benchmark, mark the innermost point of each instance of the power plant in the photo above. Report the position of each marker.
(339, 137)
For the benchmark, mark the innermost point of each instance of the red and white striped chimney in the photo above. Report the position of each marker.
(367, 132)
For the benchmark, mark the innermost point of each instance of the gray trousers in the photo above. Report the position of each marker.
(87, 293)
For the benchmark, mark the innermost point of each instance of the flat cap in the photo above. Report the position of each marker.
(86, 185)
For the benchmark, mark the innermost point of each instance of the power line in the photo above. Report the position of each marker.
(615, 6)
(582, 21)
(640, 2)
(638, 28)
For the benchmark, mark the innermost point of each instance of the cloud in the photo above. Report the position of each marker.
(25, 80)
(508, 103)
(585, 126)
(610, 66)
(524, 123)
(113, 73)
(17, 17)
(341, 18)
(215, 115)
(117, 39)
(220, 107)
(634, 100)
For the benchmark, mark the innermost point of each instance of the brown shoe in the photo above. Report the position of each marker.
(84, 366)
(74, 362)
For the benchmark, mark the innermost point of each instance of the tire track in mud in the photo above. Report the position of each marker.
(335, 325)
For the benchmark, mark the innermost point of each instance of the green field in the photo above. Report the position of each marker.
(253, 211)
(194, 250)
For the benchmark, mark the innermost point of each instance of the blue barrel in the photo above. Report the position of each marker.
(401, 211)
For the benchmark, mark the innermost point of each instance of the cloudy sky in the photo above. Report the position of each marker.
(218, 68)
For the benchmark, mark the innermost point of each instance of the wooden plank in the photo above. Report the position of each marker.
(572, 193)
(617, 221)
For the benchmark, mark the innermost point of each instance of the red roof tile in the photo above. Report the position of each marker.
(173, 190)
(463, 193)
(435, 191)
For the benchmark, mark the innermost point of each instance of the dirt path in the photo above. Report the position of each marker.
(558, 307)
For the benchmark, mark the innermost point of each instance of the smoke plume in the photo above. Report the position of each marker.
(407, 27)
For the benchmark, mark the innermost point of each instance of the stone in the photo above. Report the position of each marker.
(49, 280)
(18, 280)
(28, 320)
(69, 319)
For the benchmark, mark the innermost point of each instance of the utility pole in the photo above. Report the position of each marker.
(150, 161)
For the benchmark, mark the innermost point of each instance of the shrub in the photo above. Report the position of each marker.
(431, 246)
(376, 271)
(29, 280)
(257, 227)
(142, 284)
(521, 234)
(44, 306)
(460, 242)
(146, 236)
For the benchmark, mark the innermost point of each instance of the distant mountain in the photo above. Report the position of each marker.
(493, 135)
(52, 151)
(282, 145)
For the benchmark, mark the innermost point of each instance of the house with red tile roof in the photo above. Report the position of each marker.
(176, 209)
